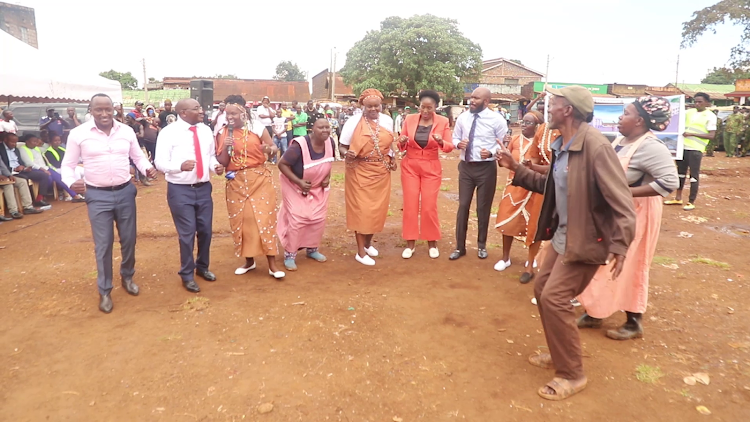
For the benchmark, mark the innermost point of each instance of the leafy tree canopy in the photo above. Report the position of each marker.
(736, 12)
(408, 55)
(725, 76)
(288, 71)
(127, 80)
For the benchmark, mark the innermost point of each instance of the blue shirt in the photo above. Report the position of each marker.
(55, 127)
(12, 157)
(490, 127)
(560, 174)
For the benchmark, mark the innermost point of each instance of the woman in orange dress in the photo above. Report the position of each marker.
(423, 135)
(513, 217)
(251, 198)
(366, 140)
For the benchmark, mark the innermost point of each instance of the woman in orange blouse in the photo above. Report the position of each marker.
(251, 198)
(423, 136)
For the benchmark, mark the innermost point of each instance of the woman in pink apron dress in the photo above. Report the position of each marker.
(651, 174)
(305, 175)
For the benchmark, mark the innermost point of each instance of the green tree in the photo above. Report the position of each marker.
(288, 71)
(127, 80)
(408, 55)
(736, 12)
(725, 76)
(516, 61)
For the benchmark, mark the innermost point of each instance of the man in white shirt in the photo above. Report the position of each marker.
(399, 121)
(219, 118)
(279, 136)
(186, 153)
(7, 124)
(477, 134)
(266, 114)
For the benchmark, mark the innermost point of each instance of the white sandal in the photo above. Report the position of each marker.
(244, 270)
(434, 253)
(407, 253)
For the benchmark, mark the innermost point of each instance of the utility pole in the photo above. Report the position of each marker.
(145, 81)
(677, 72)
(333, 77)
(546, 74)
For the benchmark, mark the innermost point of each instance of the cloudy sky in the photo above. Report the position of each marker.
(589, 41)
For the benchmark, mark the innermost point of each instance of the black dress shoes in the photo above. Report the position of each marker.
(191, 286)
(207, 275)
(105, 303)
(482, 253)
(457, 254)
(130, 287)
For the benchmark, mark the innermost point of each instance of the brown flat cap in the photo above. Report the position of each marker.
(579, 97)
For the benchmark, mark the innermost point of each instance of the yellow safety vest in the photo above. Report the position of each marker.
(31, 155)
(54, 152)
(697, 122)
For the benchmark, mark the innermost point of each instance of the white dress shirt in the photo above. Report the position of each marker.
(490, 127)
(221, 121)
(175, 145)
(264, 111)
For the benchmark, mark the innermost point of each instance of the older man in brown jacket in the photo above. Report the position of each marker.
(588, 215)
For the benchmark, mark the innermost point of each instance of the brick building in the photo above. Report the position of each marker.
(505, 72)
(321, 87)
(251, 89)
(20, 22)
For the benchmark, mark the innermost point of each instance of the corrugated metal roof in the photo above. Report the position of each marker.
(707, 88)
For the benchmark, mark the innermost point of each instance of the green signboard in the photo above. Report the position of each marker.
(595, 89)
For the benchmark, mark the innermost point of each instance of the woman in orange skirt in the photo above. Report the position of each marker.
(366, 140)
(513, 217)
(251, 198)
(423, 135)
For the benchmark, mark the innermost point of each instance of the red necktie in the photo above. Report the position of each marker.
(198, 157)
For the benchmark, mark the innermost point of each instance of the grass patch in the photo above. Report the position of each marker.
(493, 210)
(742, 215)
(500, 187)
(337, 178)
(90, 274)
(445, 188)
(390, 213)
(197, 303)
(648, 374)
(663, 260)
(710, 262)
(494, 246)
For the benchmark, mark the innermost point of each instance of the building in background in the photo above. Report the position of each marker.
(20, 22)
(253, 90)
(321, 88)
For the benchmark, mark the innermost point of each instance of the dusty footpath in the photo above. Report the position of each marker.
(422, 339)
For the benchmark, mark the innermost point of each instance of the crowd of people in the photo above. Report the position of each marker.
(589, 211)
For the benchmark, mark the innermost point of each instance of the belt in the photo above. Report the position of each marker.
(109, 188)
(194, 185)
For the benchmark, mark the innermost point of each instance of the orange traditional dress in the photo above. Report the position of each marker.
(541, 148)
(368, 176)
(512, 216)
(251, 197)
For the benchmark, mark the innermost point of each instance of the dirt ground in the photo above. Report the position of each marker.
(422, 339)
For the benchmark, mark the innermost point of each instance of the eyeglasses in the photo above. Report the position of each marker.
(525, 123)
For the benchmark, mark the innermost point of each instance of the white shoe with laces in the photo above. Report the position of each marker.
(371, 251)
(502, 265)
(365, 261)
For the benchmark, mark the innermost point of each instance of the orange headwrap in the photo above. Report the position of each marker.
(370, 92)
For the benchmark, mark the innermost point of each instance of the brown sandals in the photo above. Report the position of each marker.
(542, 360)
(563, 389)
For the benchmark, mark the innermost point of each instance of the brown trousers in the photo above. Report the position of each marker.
(556, 285)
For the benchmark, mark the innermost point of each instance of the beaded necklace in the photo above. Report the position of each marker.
(546, 145)
(376, 142)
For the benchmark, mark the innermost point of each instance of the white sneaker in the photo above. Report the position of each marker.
(533, 301)
(371, 251)
(407, 253)
(244, 270)
(366, 260)
(434, 253)
(527, 264)
(502, 265)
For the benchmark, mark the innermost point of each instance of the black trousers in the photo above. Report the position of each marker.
(192, 211)
(690, 159)
(40, 178)
(480, 176)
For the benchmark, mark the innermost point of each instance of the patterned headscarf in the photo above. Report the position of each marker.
(655, 111)
(370, 92)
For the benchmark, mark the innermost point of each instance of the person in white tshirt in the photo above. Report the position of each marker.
(279, 136)
(219, 118)
(7, 124)
(266, 114)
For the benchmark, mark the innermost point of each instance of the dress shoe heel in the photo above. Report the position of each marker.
(191, 286)
(130, 287)
(206, 275)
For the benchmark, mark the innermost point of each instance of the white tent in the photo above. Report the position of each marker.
(24, 76)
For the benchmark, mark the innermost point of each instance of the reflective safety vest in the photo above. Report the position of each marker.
(697, 122)
(54, 152)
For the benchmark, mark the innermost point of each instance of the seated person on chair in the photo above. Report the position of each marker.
(7, 183)
(32, 157)
(55, 154)
(11, 156)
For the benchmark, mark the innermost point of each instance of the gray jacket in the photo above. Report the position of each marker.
(4, 170)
